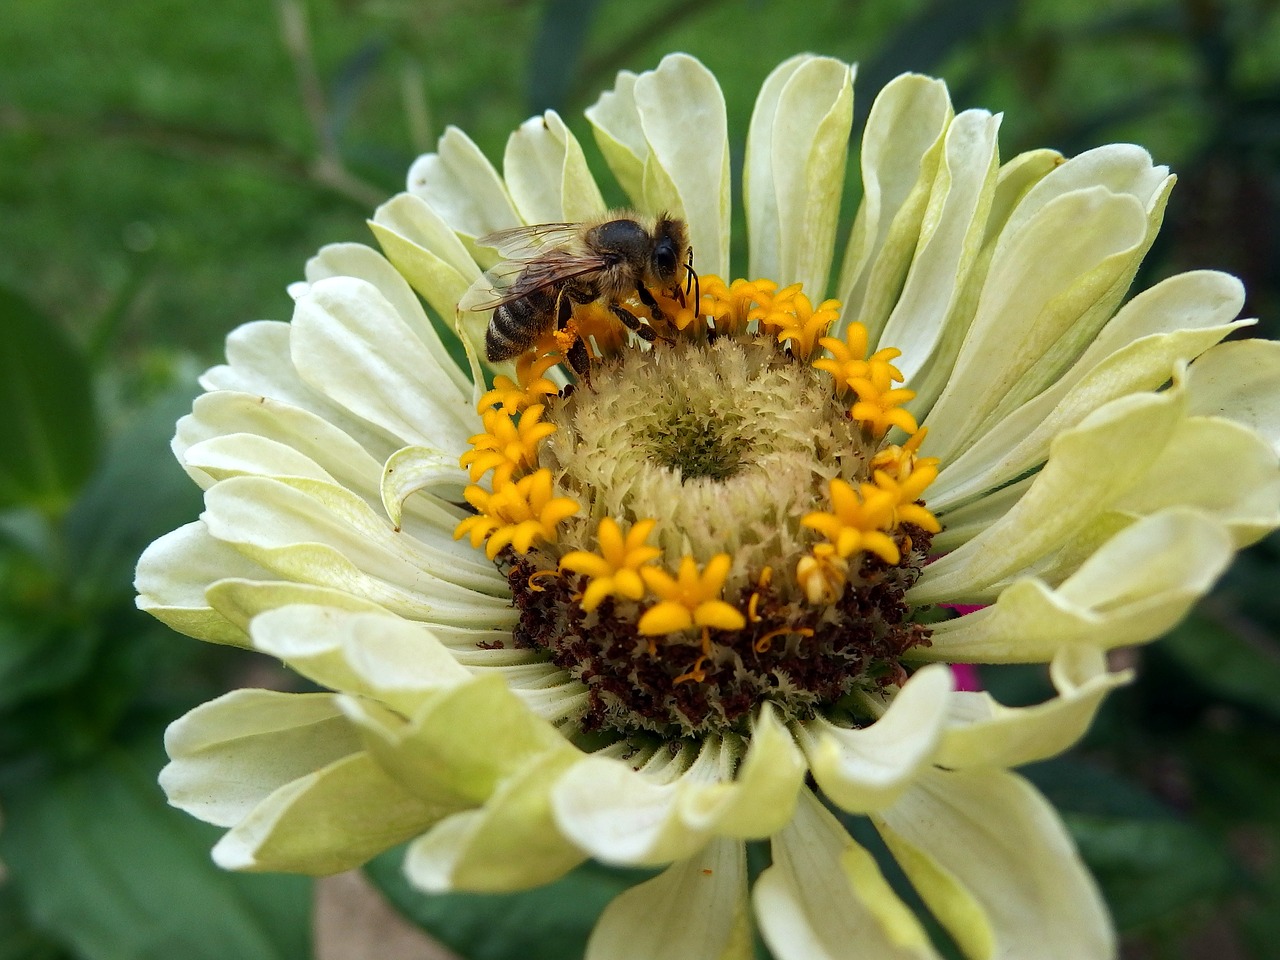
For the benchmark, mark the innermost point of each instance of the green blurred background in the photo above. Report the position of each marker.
(166, 167)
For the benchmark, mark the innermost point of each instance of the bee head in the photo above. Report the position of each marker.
(670, 251)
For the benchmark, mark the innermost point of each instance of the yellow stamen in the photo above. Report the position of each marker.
(508, 446)
(690, 598)
(516, 514)
(764, 643)
(615, 570)
(730, 306)
(792, 319)
(822, 575)
(540, 575)
(529, 387)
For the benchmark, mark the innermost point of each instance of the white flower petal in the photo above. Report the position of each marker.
(323, 534)
(1245, 498)
(615, 121)
(686, 172)
(794, 170)
(461, 185)
(990, 734)
(694, 910)
(357, 261)
(1138, 350)
(229, 754)
(381, 656)
(1138, 585)
(349, 342)
(417, 469)
(259, 363)
(901, 147)
(1241, 382)
(173, 574)
(867, 769)
(547, 175)
(428, 254)
(924, 324)
(228, 412)
(622, 815)
(1090, 466)
(460, 744)
(824, 898)
(1038, 288)
(326, 822)
(992, 861)
(510, 843)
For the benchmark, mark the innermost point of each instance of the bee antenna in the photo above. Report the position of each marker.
(691, 281)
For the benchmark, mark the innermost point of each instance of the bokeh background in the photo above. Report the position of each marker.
(167, 166)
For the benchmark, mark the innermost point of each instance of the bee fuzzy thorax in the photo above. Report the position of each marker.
(714, 523)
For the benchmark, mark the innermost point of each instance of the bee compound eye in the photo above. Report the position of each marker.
(664, 259)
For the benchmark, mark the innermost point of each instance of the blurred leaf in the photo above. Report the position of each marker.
(1233, 658)
(139, 494)
(557, 50)
(1148, 862)
(48, 435)
(21, 941)
(36, 659)
(1149, 869)
(1081, 787)
(546, 923)
(102, 862)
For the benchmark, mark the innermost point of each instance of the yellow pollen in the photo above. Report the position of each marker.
(517, 514)
(597, 324)
(690, 598)
(615, 570)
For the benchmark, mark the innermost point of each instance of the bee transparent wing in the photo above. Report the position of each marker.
(531, 241)
(513, 279)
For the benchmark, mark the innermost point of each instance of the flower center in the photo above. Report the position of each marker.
(710, 523)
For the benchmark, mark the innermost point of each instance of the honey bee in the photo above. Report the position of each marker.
(550, 267)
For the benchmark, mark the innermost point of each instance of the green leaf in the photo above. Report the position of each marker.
(21, 941)
(1150, 869)
(546, 923)
(103, 864)
(36, 659)
(49, 432)
(1148, 863)
(1232, 658)
(139, 494)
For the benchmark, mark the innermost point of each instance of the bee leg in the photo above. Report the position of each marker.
(632, 323)
(647, 299)
(580, 360)
(564, 310)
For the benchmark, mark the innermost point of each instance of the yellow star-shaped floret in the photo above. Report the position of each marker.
(690, 598)
(508, 445)
(731, 306)
(860, 520)
(529, 387)
(615, 570)
(792, 318)
(517, 514)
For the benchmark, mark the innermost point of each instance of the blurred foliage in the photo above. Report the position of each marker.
(168, 169)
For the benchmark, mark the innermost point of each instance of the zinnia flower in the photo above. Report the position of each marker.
(706, 599)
